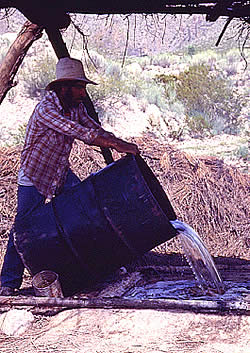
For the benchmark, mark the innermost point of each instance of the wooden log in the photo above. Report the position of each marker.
(209, 306)
(15, 55)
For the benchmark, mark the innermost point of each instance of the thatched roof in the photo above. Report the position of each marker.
(49, 13)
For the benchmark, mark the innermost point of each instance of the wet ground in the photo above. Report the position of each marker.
(109, 330)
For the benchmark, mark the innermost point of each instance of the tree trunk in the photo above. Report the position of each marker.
(15, 55)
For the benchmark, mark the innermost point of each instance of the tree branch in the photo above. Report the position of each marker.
(15, 55)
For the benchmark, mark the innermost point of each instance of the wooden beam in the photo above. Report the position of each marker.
(208, 306)
(57, 42)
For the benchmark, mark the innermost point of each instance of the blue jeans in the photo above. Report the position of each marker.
(28, 198)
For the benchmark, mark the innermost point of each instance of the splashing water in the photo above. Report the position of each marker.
(198, 257)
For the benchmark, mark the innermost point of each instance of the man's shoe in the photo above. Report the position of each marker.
(7, 291)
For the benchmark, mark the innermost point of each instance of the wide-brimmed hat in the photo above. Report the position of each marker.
(69, 69)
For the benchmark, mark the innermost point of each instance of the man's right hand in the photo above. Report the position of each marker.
(109, 140)
(126, 147)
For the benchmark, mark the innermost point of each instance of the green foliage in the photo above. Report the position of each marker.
(4, 45)
(38, 74)
(144, 61)
(155, 95)
(96, 61)
(210, 104)
(113, 70)
(111, 83)
(210, 95)
(198, 124)
(165, 60)
(12, 93)
(207, 57)
(243, 152)
(191, 50)
(117, 82)
(18, 136)
(109, 86)
(169, 84)
(148, 90)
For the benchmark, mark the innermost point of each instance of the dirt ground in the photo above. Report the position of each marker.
(133, 331)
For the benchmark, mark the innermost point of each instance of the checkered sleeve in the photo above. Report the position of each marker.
(48, 115)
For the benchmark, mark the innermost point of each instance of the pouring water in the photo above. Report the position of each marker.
(198, 257)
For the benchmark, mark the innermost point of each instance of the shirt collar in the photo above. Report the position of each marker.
(52, 96)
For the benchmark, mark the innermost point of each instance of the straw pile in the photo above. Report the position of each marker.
(213, 198)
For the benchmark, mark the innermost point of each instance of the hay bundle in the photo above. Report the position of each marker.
(210, 196)
(9, 164)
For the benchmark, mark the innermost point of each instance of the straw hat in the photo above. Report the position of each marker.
(69, 69)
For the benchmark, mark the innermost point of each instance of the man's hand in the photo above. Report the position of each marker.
(126, 147)
(108, 140)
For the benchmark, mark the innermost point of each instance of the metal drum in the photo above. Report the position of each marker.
(104, 222)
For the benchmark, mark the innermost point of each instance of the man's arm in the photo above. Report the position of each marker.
(88, 131)
(109, 140)
(49, 116)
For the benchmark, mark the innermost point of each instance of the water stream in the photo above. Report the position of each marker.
(207, 284)
(198, 258)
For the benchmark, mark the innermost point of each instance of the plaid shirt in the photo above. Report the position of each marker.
(49, 137)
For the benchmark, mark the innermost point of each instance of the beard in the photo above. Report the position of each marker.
(69, 98)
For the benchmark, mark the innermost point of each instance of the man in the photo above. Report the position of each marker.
(44, 171)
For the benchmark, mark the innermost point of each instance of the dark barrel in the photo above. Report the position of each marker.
(109, 219)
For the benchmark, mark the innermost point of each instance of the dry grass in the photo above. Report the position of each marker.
(209, 195)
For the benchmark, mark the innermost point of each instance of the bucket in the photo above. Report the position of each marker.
(111, 218)
(46, 284)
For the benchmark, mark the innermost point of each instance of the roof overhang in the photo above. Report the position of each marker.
(54, 13)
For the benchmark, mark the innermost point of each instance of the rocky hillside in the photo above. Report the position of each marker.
(140, 96)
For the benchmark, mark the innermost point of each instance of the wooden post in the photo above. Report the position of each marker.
(15, 55)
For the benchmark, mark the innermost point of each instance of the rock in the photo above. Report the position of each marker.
(153, 114)
(15, 322)
(134, 69)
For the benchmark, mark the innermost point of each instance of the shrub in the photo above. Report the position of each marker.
(11, 95)
(155, 95)
(144, 61)
(198, 124)
(243, 152)
(207, 57)
(169, 85)
(97, 61)
(210, 104)
(191, 50)
(116, 83)
(38, 74)
(114, 70)
(18, 136)
(4, 46)
(109, 86)
(165, 60)
(212, 96)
